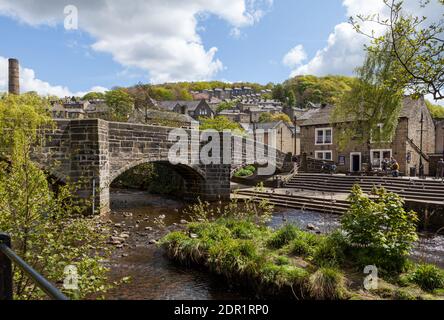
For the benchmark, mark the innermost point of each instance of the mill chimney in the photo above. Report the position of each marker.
(14, 77)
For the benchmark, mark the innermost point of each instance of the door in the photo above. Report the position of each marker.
(355, 162)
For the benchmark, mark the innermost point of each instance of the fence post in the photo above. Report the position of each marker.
(5, 270)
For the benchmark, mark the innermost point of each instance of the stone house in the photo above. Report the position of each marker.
(439, 142)
(235, 115)
(162, 118)
(439, 146)
(319, 139)
(68, 110)
(285, 134)
(97, 109)
(195, 109)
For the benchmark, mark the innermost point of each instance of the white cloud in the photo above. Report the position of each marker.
(345, 48)
(295, 56)
(29, 82)
(158, 36)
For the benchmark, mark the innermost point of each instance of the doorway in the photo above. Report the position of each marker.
(355, 162)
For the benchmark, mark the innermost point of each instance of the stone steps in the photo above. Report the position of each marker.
(432, 191)
(298, 202)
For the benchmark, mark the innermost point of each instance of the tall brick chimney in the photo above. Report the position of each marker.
(14, 77)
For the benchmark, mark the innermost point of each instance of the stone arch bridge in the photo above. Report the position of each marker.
(96, 152)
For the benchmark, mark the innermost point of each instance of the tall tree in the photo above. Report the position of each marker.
(46, 227)
(121, 104)
(291, 98)
(279, 93)
(369, 111)
(219, 123)
(417, 43)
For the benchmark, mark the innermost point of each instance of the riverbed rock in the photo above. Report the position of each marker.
(149, 228)
(152, 241)
(124, 235)
(311, 227)
(183, 221)
(116, 240)
(118, 225)
(193, 236)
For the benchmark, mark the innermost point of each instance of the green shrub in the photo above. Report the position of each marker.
(233, 257)
(241, 229)
(301, 248)
(382, 226)
(428, 277)
(328, 284)
(284, 275)
(243, 173)
(283, 236)
(182, 248)
(250, 168)
(379, 257)
(282, 260)
(330, 251)
(208, 231)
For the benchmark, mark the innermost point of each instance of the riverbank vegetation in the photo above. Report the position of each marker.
(292, 263)
(47, 226)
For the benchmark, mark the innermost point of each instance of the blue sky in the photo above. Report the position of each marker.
(121, 43)
(65, 58)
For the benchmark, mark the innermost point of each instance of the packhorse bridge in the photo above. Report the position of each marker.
(95, 152)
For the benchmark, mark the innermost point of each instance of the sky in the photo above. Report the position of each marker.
(70, 47)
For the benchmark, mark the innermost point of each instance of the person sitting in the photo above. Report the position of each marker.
(395, 168)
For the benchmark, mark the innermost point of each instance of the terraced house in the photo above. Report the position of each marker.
(319, 139)
(195, 109)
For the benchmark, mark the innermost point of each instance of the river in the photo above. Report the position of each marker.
(153, 276)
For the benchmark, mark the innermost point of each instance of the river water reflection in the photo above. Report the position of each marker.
(153, 276)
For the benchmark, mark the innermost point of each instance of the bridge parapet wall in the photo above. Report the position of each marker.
(95, 152)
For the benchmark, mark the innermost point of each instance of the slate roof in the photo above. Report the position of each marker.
(139, 116)
(322, 115)
(170, 105)
(267, 126)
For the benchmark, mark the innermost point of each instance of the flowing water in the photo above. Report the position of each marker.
(153, 276)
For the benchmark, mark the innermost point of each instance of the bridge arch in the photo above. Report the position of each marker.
(180, 169)
(193, 177)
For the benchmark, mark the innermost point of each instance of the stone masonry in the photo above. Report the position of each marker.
(95, 152)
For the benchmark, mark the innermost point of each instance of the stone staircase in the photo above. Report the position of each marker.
(416, 190)
(296, 201)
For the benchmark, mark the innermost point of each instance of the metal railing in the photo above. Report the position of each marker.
(7, 257)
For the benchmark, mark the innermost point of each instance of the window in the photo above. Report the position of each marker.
(377, 135)
(324, 136)
(378, 155)
(324, 155)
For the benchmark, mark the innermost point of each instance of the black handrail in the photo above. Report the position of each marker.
(7, 256)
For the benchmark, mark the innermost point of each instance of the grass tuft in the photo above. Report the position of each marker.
(328, 284)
